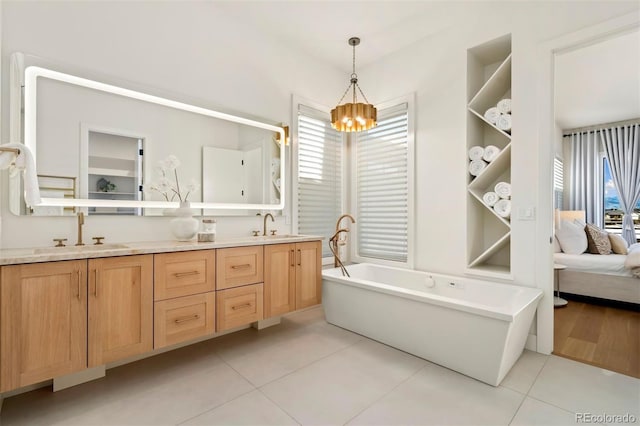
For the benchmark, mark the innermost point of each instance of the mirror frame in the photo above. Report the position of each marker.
(25, 71)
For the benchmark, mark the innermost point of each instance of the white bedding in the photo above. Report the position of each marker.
(611, 264)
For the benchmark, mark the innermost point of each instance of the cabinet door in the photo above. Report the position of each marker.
(279, 279)
(43, 325)
(120, 308)
(308, 274)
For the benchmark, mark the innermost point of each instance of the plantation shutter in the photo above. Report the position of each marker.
(558, 188)
(382, 187)
(319, 175)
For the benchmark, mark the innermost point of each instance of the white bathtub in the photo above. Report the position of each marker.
(478, 328)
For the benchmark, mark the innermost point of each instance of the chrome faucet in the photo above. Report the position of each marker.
(337, 242)
(80, 223)
(264, 224)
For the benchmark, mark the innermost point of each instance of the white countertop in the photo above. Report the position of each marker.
(50, 254)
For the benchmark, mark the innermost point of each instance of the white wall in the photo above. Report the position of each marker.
(188, 48)
(435, 68)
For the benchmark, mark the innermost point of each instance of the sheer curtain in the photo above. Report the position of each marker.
(622, 149)
(585, 183)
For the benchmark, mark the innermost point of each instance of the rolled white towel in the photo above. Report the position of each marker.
(503, 189)
(25, 163)
(491, 115)
(490, 153)
(476, 167)
(490, 198)
(503, 122)
(476, 153)
(503, 208)
(504, 106)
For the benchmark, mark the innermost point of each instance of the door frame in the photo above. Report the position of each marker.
(547, 52)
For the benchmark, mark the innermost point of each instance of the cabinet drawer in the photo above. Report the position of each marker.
(183, 318)
(239, 306)
(238, 266)
(183, 273)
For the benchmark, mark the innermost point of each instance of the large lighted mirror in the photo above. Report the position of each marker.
(107, 149)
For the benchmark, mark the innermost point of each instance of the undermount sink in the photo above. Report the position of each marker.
(78, 249)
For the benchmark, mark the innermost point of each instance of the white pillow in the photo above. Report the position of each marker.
(556, 245)
(572, 238)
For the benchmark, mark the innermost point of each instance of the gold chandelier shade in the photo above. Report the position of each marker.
(354, 117)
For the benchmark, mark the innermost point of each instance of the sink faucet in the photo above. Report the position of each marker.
(335, 241)
(80, 223)
(264, 229)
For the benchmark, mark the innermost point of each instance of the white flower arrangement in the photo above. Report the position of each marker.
(168, 183)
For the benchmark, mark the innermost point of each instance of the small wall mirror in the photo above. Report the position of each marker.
(103, 148)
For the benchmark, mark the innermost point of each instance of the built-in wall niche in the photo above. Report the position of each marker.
(489, 228)
(61, 102)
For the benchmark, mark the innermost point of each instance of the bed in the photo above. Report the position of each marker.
(601, 276)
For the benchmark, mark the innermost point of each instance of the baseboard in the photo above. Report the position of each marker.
(602, 302)
(78, 378)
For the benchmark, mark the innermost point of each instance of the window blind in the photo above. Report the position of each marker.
(382, 188)
(558, 187)
(319, 175)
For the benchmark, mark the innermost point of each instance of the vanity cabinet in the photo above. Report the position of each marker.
(43, 322)
(62, 317)
(120, 308)
(292, 277)
(184, 296)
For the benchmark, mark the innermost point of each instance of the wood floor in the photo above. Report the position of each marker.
(603, 336)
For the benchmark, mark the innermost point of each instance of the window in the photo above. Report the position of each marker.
(319, 175)
(558, 186)
(612, 211)
(383, 171)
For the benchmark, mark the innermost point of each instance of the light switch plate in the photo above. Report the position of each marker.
(527, 213)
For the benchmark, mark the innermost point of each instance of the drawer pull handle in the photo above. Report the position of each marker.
(79, 275)
(244, 266)
(246, 305)
(185, 319)
(185, 274)
(299, 257)
(292, 257)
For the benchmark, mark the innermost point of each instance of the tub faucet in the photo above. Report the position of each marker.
(80, 223)
(333, 245)
(264, 229)
(338, 242)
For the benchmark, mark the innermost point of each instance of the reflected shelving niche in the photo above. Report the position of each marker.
(489, 159)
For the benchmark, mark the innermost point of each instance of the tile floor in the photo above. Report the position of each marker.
(305, 371)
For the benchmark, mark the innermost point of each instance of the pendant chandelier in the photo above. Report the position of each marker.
(354, 116)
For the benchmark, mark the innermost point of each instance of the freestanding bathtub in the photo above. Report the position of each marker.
(478, 328)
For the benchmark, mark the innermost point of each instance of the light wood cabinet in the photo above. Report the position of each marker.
(293, 277)
(239, 306)
(183, 318)
(239, 266)
(43, 322)
(120, 308)
(184, 273)
(279, 279)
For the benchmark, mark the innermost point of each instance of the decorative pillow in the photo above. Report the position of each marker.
(556, 245)
(572, 238)
(597, 240)
(618, 244)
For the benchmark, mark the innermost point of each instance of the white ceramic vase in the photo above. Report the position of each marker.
(183, 226)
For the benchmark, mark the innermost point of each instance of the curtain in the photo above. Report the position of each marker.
(622, 149)
(586, 186)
